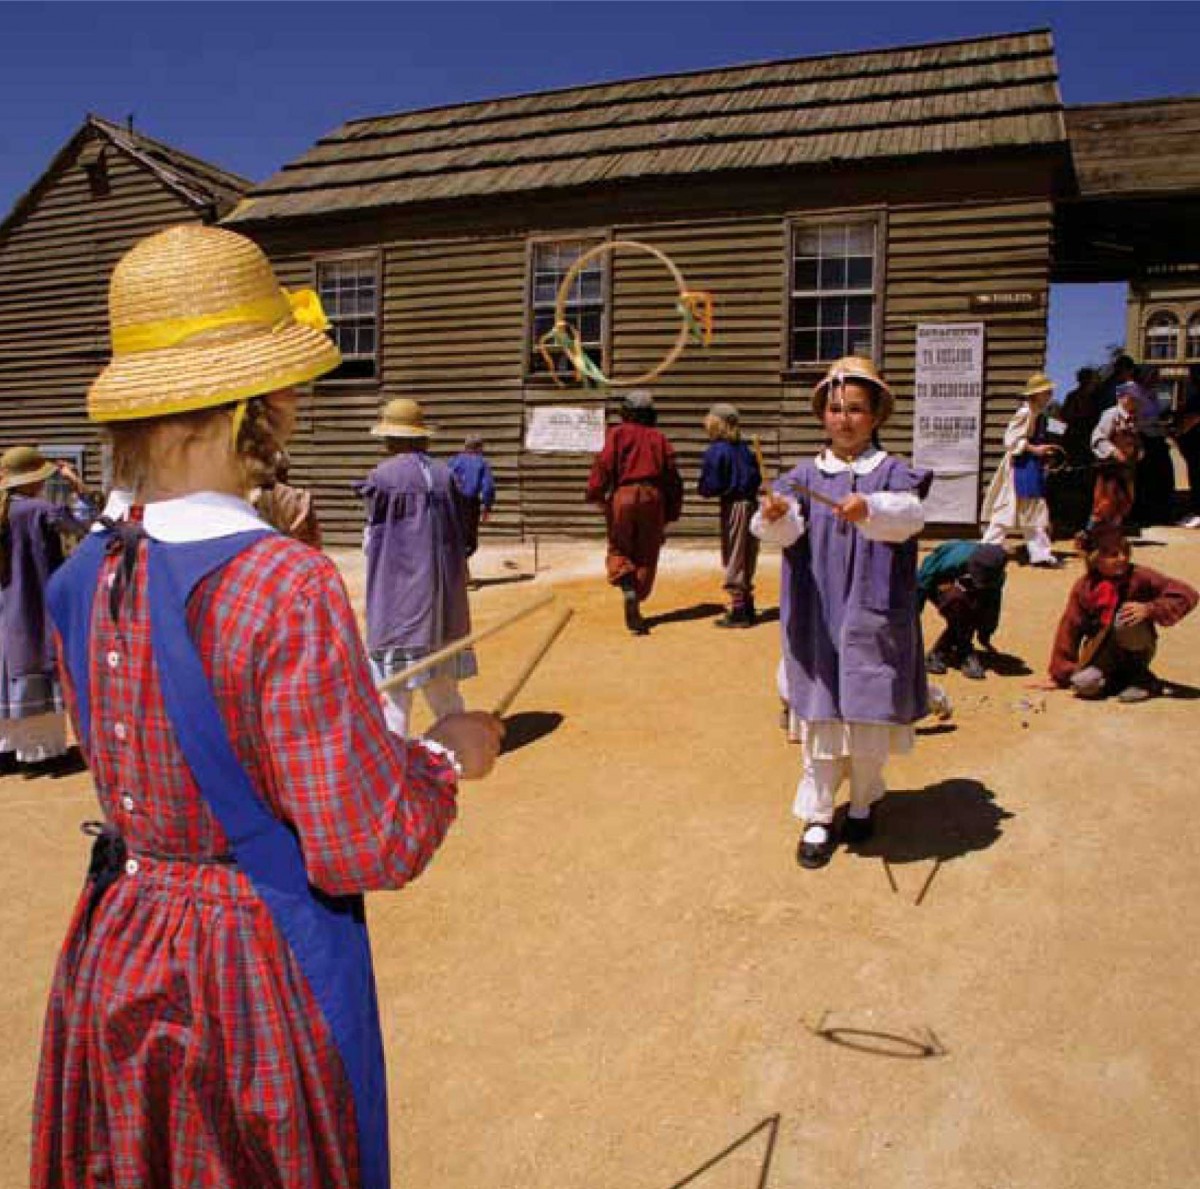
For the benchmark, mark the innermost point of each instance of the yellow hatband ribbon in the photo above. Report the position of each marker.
(302, 306)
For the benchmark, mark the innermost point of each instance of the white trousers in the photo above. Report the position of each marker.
(441, 693)
(41, 737)
(1037, 540)
(821, 778)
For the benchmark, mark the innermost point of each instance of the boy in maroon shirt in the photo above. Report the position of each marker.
(1108, 635)
(637, 481)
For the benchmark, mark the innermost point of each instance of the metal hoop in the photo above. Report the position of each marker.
(564, 331)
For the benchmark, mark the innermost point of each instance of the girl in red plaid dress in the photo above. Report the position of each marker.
(212, 1019)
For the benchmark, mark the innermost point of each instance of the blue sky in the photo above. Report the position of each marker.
(251, 85)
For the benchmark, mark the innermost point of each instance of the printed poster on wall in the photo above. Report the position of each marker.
(554, 429)
(947, 416)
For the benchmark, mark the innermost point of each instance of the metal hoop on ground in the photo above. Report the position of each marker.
(695, 308)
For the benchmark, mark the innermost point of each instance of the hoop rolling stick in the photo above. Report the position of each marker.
(535, 658)
(695, 309)
(444, 654)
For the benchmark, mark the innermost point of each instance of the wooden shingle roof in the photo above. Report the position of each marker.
(980, 94)
(201, 185)
(1145, 148)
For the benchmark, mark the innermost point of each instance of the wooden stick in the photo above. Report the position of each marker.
(457, 646)
(887, 870)
(797, 489)
(928, 880)
(552, 634)
(756, 446)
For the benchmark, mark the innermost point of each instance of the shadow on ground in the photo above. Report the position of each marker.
(1005, 664)
(770, 1125)
(528, 726)
(685, 614)
(941, 821)
(502, 580)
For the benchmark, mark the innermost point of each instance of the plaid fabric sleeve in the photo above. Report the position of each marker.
(369, 807)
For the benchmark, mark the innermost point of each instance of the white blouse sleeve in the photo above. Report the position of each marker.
(1016, 436)
(785, 531)
(893, 516)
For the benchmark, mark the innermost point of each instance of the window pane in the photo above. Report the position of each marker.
(833, 274)
(860, 342)
(860, 239)
(859, 311)
(545, 289)
(860, 272)
(588, 322)
(808, 240)
(804, 346)
(1193, 338)
(804, 312)
(832, 342)
(592, 286)
(804, 273)
(833, 239)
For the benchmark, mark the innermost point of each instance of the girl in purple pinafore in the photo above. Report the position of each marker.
(855, 680)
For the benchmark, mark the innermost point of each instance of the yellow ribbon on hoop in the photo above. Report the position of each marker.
(302, 306)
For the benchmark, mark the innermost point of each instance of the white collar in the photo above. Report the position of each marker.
(201, 516)
(828, 463)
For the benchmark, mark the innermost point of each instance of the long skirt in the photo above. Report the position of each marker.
(636, 518)
(182, 1046)
(33, 725)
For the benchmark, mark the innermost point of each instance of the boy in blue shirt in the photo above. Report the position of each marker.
(729, 472)
(474, 479)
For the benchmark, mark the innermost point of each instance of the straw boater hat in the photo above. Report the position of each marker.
(402, 418)
(198, 320)
(1037, 383)
(20, 465)
(853, 367)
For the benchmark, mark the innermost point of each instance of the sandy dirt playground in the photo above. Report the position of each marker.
(615, 975)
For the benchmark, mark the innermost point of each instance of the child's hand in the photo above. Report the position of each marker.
(1043, 683)
(773, 507)
(1130, 613)
(854, 508)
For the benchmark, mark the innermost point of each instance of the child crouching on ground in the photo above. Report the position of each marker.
(1108, 635)
(964, 580)
(851, 634)
(729, 472)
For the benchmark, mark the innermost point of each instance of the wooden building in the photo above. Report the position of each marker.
(1134, 216)
(106, 188)
(832, 204)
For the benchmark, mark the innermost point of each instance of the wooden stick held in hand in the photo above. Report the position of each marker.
(444, 654)
(543, 647)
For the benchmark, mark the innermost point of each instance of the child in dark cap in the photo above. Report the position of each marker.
(964, 580)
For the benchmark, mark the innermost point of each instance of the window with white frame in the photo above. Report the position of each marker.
(349, 292)
(549, 263)
(833, 290)
(1162, 336)
(1193, 337)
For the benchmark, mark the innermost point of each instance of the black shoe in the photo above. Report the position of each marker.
(735, 617)
(857, 830)
(973, 667)
(812, 855)
(935, 663)
(8, 763)
(633, 614)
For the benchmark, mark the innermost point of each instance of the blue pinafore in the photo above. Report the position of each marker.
(327, 934)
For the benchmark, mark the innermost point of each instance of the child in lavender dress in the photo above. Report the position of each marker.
(847, 522)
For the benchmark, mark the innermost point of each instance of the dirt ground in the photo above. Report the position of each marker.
(615, 974)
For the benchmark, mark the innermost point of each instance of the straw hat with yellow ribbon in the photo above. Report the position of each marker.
(20, 465)
(1037, 383)
(402, 418)
(853, 367)
(198, 320)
